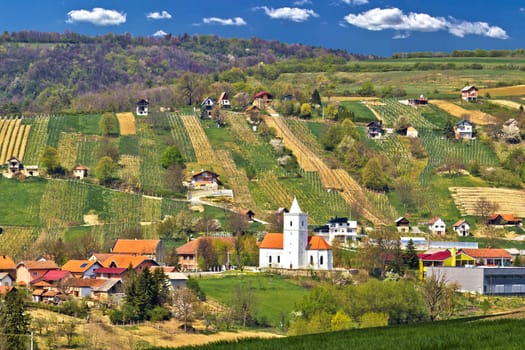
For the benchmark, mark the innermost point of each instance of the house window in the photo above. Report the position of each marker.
(311, 260)
(291, 223)
(321, 260)
(279, 259)
(35, 273)
(270, 259)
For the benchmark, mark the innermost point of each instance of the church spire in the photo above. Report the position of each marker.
(295, 209)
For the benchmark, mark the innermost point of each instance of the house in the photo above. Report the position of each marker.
(110, 272)
(489, 256)
(463, 129)
(7, 265)
(503, 219)
(50, 287)
(422, 100)
(437, 226)
(248, 213)
(205, 179)
(31, 170)
(224, 100)
(469, 94)
(83, 287)
(152, 248)
(448, 257)
(402, 225)
(341, 229)
(100, 257)
(262, 99)
(136, 262)
(206, 108)
(293, 248)
(375, 129)
(462, 228)
(412, 132)
(30, 270)
(6, 279)
(483, 280)
(511, 123)
(80, 172)
(112, 287)
(176, 280)
(142, 107)
(81, 268)
(188, 253)
(14, 165)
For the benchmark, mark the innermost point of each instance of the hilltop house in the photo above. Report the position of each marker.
(469, 94)
(342, 229)
(412, 132)
(402, 225)
(463, 129)
(422, 100)
(151, 248)
(142, 107)
(206, 108)
(205, 179)
(293, 249)
(375, 129)
(80, 172)
(462, 228)
(224, 100)
(437, 226)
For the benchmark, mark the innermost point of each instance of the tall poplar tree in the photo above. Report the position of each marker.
(14, 322)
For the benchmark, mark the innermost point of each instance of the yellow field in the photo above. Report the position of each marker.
(515, 90)
(509, 201)
(199, 140)
(476, 117)
(127, 123)
(506, 103)
(13, 139)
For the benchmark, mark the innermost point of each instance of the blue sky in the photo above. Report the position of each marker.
(359, 26)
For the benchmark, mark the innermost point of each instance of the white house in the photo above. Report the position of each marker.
(412, 132)
(6, 279)
(341, 229)
(462, 228)
(80, 172)
(224, 100)
(464, 129)
(437, 226)
(142, 107)
(293, 249)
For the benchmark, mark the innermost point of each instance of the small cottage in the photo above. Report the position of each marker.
(375, 129)
(205, 179)
(206, 108)
(224, 100)
(437, 226)
(469, 94)
(402, 225)
(14, 165)
(462, 228)
(464, 129)
(412, 132)
(422, 100)
(142, 107)
(80, 172)
(262, 99)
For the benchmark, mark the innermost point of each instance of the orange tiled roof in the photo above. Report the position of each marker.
(6, 263)
(135, 246)
(39, 265)
(191, 247)
(506, 217)
(77, 266)
(86, 282)
(124, 260)
(433, 220)
(272, 241)
(165, 269)
(5, 289)
(489, 253)
(318, 243)
(459, 223)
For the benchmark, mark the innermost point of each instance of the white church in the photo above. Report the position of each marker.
(293, 249)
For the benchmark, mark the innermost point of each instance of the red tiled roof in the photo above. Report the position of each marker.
(111, 270)
(80, 167)
(135, 246)
(433, 220)
(77, 266)
(506, 217)
(272, 241)
(459, 223)
(125, 260)
(6, 263)
(487, 253)
(437, 256)
(54, 275)
(262, 94)
(317, 243)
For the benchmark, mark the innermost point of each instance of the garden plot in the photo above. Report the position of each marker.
(126, 123)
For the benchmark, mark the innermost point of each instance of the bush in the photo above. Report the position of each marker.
(158, 313)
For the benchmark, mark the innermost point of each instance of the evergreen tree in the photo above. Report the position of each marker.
(316, 97)
(449, 129)
(411, 257)
(14, 322)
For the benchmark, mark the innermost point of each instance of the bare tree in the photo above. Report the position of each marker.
(244, 305)
(436, 294)
(183, 305)
(484, 208)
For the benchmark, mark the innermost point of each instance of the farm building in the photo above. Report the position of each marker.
(412, 132)
(469, 93)
(402, 225)
(224, 100)
(205, 179)
(375, 129)
(342, 229)
(142, 107)
(206, 108)
(293, 249)
(15, 168)
(437, 226)
(462, 228)
(464, 129)
(503, 219)
(152, 248)
(80, 172)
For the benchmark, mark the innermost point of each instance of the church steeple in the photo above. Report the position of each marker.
(295, 209)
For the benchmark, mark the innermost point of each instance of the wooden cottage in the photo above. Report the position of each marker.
(462, 228)
(375, 129)
(206, 108)
(142, 107)
(262, 99)
(464, 129)
(503, 219)
(224, 100)
(205, 179)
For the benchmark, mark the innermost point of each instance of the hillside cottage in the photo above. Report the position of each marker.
(375, 129)
(469, 94)
(80, 172)
(142, 107)
(412, 132)
(224, 100)
(81, 268)
(437, 226)
(293, 249)
(402, 225)
(464, 129)
(503, 219)
(262, 99)
(206, 108)
(462, 228)
(205, 179)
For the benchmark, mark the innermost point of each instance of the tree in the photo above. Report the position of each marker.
(183, 304)
(174, 178)
(435, 292)
(171, 156)
(411, 257)
(50, 161)
(367, 89)
(306, 110)
(107, 123)
(108, 148)
(244, 304)
(374, 319)
(316, 97)
(402, 123)
(105, 170)
(373, 175)
(340, 321)
(191, 87)
(484, 208)
(14, 321)
(448, 130)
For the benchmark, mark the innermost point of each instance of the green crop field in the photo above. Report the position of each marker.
(265, 288)
(20, 202)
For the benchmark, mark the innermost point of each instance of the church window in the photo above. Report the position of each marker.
(321, 260)
(291, 223)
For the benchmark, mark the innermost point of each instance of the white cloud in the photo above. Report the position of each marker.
(237, 21)
(399, 36)
(97, 16)
(393, 18)
(355, 2)
(290, 13)
(159, 15)
(522, 9)
(159, 33)
(302, 2)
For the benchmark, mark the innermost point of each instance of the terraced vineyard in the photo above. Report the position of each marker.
(37, 139)
(13, 138)
(203, 151)
(509, 201)
(270, 193)
(241, 129)
(16, 241)
(68, 149)
(126, 123)
(130, 169)
(151, 209)
(301, 131)
(389, 110)
(63, 203)
(181, 138)
(151, 172)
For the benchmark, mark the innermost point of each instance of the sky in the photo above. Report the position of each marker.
(376, 27)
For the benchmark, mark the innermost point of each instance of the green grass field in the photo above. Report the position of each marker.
(20, 201)
(274, 296)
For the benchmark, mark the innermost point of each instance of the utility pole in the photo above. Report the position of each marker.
(32, 339)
